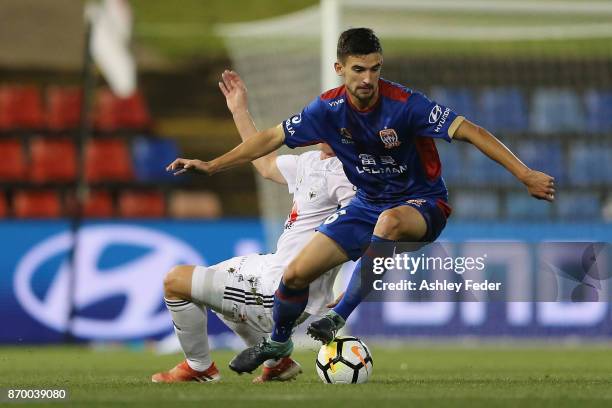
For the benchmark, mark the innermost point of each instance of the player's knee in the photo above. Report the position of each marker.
(292, 277)
(388, 225)
(175, 280)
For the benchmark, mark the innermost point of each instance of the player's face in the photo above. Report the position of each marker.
(361, 74)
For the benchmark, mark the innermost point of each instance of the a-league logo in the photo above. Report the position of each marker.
(389, 138)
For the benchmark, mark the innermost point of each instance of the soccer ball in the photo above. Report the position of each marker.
(346, 360)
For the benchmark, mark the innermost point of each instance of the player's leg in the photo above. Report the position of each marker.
(416, 225)
(318, 256)
(341, 237)
(403, 223)
(190, 319)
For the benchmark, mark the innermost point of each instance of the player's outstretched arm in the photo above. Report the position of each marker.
(251, 149)
(235, 92)
(540, 185)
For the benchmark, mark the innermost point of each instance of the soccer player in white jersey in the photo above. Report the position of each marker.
(241, 290)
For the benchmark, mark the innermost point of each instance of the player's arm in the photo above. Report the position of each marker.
(251, 149)
(235, 93)
(540, 185)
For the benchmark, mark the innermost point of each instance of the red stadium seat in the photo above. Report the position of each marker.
(30, 114)
(134, 204)
(37, 204)
(53, 160)
(13, 164)
(108, 160)
(8, 108)
(63, 107)
(133, 112)
(20, 107)
(112, 113)
(99, 204)
(106, 111)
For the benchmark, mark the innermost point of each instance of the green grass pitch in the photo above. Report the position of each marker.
(403, 377)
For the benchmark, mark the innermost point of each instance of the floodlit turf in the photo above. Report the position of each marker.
(410, 377)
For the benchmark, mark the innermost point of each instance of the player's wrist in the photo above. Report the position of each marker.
(523, 175)
(240, 112)
(212, 167)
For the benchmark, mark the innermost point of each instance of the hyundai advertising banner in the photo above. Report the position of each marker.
(117, 293)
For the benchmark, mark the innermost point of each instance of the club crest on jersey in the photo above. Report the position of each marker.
(346, 136)
(389, 138)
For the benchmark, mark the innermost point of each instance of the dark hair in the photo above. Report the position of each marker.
(357, 41)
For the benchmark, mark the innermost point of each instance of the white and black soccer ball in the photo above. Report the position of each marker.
(346, 360)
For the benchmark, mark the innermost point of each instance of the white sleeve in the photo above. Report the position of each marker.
(287, 164)
(339, 188)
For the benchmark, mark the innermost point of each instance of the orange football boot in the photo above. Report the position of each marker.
(182, 372)
(287, 369)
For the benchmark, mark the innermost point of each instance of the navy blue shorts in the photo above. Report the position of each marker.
(352, 226)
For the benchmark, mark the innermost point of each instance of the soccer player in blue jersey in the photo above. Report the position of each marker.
(383, 134)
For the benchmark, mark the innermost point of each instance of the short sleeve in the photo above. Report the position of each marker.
(304, 129)
(339, 188)
(287, 164)
(430, 119)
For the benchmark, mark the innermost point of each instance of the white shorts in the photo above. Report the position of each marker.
(240, 291)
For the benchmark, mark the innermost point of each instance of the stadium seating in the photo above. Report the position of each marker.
(108, 160)
(460, 100)
(598, 111)
(579, 206)
(37, 204)
(475, 206)
(503, 110)
(8, 119)
(133, 112)
(63, 107)
(556, 110)
(99, 204)
(20, 108)
(30, 114)
(543, 156)
(53, 160)
(13, 164)
(194, 204)
(151, 156)
(452, 164)
(521, 206)
(482, 171)
(141, 204)
(112, 113)
(106, 116)
(590, 164)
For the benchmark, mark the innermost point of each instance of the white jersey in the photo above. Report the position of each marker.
(319, 188)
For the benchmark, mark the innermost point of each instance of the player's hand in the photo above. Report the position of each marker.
(234, 90)
(335, 302)
(180, 166)
(540, 185)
